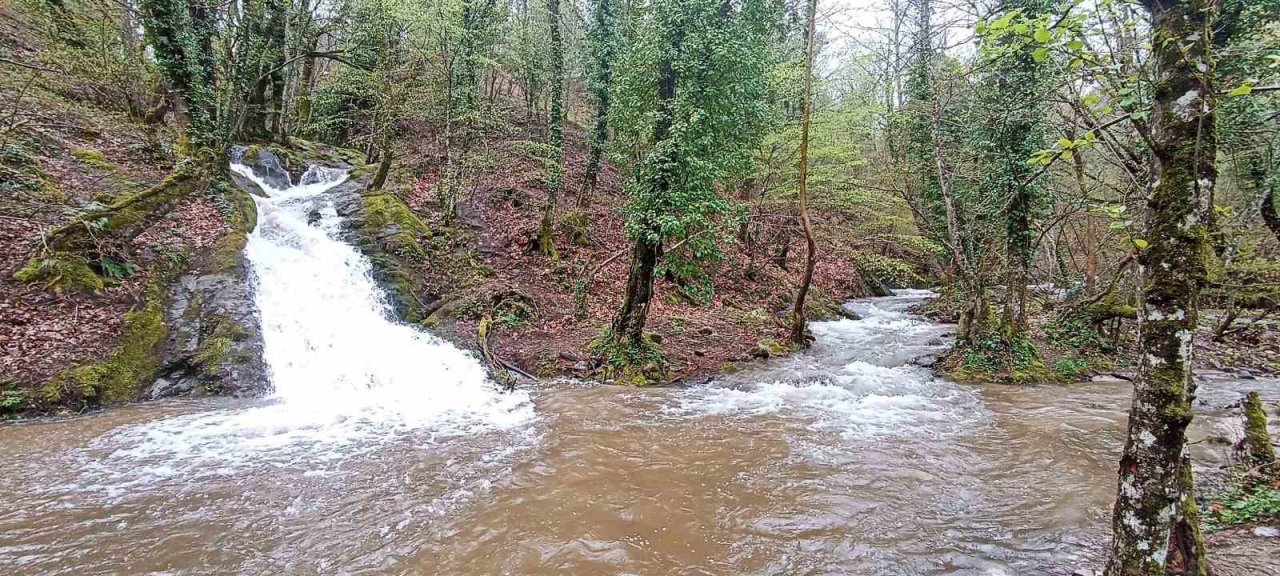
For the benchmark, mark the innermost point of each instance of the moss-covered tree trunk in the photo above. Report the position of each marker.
(1260, 455)
(1016, 88)
(811, 256)
(181, 34)
(1151, 515)
(555, 135)
(603, 51)
(628, 326)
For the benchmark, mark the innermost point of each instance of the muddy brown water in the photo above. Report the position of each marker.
(846, 460)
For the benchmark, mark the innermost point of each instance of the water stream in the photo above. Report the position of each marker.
(384, 450)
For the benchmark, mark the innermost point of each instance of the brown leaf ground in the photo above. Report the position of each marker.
(497, 225)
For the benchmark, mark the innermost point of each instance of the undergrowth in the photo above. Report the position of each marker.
(1241, 506)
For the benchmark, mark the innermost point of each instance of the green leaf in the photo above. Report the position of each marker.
(1040, 54)
(1043, 36)
(1241, 90)
(1140, 243)
(1064, 143)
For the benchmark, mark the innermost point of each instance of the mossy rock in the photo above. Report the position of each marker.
(227, 252)
(133, 363)
(387, 221)
(61, 272)
(93, 159)
(217, 348)
(325, 154)
(768, 348)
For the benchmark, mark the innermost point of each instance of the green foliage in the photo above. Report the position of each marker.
(1242, 507)
(994, 358)
(888, 270)
(118, 269)
(181, 34)
(1072, 369)
(1079, 333)
(717, 113)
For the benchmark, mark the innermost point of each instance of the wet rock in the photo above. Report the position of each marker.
(935, 342)
(706, 331)
(1266, 532)
(1246, 375)
(847, 314)
(313, 216)
(264, 163)
(700, 353)
(214, 345)
(926, 361)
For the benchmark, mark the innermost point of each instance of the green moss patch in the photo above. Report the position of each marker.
(395, 227)
(93, 159)
(134, 362)
(639, 365)
(61, 272)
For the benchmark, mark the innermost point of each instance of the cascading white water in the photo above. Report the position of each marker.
(331, 348)
(343, 372)
(875, 390)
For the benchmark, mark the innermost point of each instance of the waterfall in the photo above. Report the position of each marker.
(330, 342)
(345, 374)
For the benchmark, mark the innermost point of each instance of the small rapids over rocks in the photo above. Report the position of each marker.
(384, 450)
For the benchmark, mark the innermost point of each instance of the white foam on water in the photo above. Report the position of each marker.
(345, 375)
(863, 398)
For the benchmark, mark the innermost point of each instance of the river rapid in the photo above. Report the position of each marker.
(384, 450)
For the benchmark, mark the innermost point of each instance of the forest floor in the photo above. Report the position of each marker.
(493, 258)
(62, 153)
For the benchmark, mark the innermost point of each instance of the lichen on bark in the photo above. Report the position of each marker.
(1152, 511)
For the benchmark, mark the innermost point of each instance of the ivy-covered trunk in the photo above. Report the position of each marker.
(1154, 510)
(181, 33)
(603, 51)
(1013, 98)
(555, 136)
(628, 327)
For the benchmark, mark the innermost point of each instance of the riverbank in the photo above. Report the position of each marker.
(1071, 348)
(544, 312)
(846, 457)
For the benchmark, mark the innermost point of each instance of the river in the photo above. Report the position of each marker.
(384, 450)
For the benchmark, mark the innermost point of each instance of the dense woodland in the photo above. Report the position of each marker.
(640, 191)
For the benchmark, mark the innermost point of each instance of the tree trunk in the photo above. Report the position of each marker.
(181, 33)
(797, 313)
(555, 181)
(1153, 514)
(628, 327)
(603, 41)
